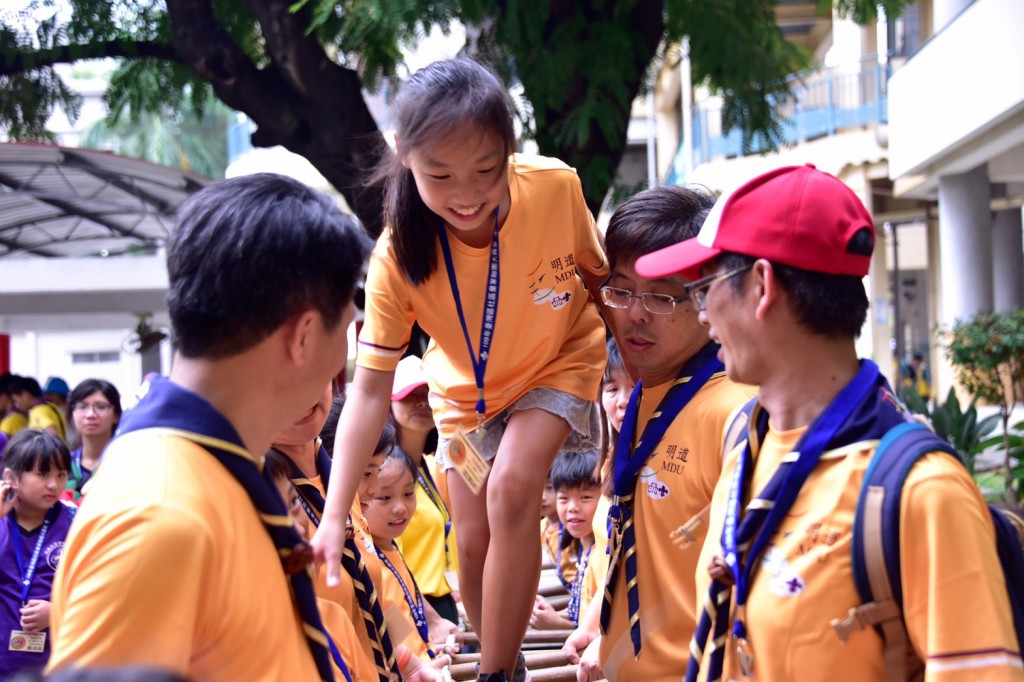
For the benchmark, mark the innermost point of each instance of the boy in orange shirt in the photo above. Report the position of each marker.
(782, 259)
(577, 493)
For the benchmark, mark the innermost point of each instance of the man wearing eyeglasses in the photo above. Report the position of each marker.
(782, 259)
(667, 460)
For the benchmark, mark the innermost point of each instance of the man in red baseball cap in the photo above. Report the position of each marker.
(780, 263)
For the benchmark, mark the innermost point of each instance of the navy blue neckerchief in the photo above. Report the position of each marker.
(629, 461)
(490, 308)
(309, 495)
(864, 410)
(167, 406)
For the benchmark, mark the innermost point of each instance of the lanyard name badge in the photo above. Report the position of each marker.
(415, 601)
(20, 640)
(463, 454)
(808, 451)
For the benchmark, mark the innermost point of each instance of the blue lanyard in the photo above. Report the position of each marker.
(425, 480)
(807, 451)
(415, 602)
(629, 461)
(490, 309)
(27, 575)
(577, 587)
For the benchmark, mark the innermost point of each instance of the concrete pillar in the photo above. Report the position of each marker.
(965, 228)
(942, 371)
(1007, 260)
(945, 11)
(877, 328)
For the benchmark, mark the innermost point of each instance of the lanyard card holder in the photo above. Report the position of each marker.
(468, 461)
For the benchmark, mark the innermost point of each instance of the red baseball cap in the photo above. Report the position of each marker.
(409, 375)
(796, 215)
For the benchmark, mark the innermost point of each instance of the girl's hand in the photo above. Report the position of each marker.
(418, 670)
(544, 616)
(446, 636)
(589, 669)
(327, 544)
(6, 505)
(35, 615)
(579, 640)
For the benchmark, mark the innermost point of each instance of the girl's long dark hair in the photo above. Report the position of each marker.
(436, 101)
(37, 451)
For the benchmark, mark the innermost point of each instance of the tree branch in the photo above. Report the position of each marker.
(15, 61)
(209, 51)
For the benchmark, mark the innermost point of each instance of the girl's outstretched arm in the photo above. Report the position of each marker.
(359, 428)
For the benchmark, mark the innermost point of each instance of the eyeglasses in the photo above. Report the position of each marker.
(98, 408)
(697, 290)
(658, 304)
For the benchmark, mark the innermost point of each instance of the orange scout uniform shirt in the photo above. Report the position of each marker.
(955, 601)
(168, 565)
(547, 331)
(676, 484)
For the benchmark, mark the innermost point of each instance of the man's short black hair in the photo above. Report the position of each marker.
(654, 219)
(834, 306)
(20, 384)
(249, 253)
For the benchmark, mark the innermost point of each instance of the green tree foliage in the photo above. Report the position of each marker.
(299, 68)
(176, 138)
(987, 353)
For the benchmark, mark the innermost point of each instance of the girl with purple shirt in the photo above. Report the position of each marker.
(32, 532)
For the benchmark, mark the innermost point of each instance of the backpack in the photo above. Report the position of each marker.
(876, 549)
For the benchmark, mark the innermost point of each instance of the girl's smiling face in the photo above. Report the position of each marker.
(463, 179)
(389, 512)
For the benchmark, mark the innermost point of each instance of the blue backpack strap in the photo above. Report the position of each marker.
(897, 452)
(875, 549)
(1010, 547)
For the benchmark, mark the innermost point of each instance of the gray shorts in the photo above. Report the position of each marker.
(581, 415)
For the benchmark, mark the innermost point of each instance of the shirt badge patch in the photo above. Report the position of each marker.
(656, 490)
(53, 552)
(784, 580)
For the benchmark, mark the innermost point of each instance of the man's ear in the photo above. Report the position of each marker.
(766, 286)
(296, 335)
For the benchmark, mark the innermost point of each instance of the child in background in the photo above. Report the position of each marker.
(387, 516)
(577, 490)
(428, 544)
(358, 660)
(35, 525)
(480, 244)
(563, 548)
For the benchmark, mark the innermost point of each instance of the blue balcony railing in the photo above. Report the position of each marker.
(824, 102)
